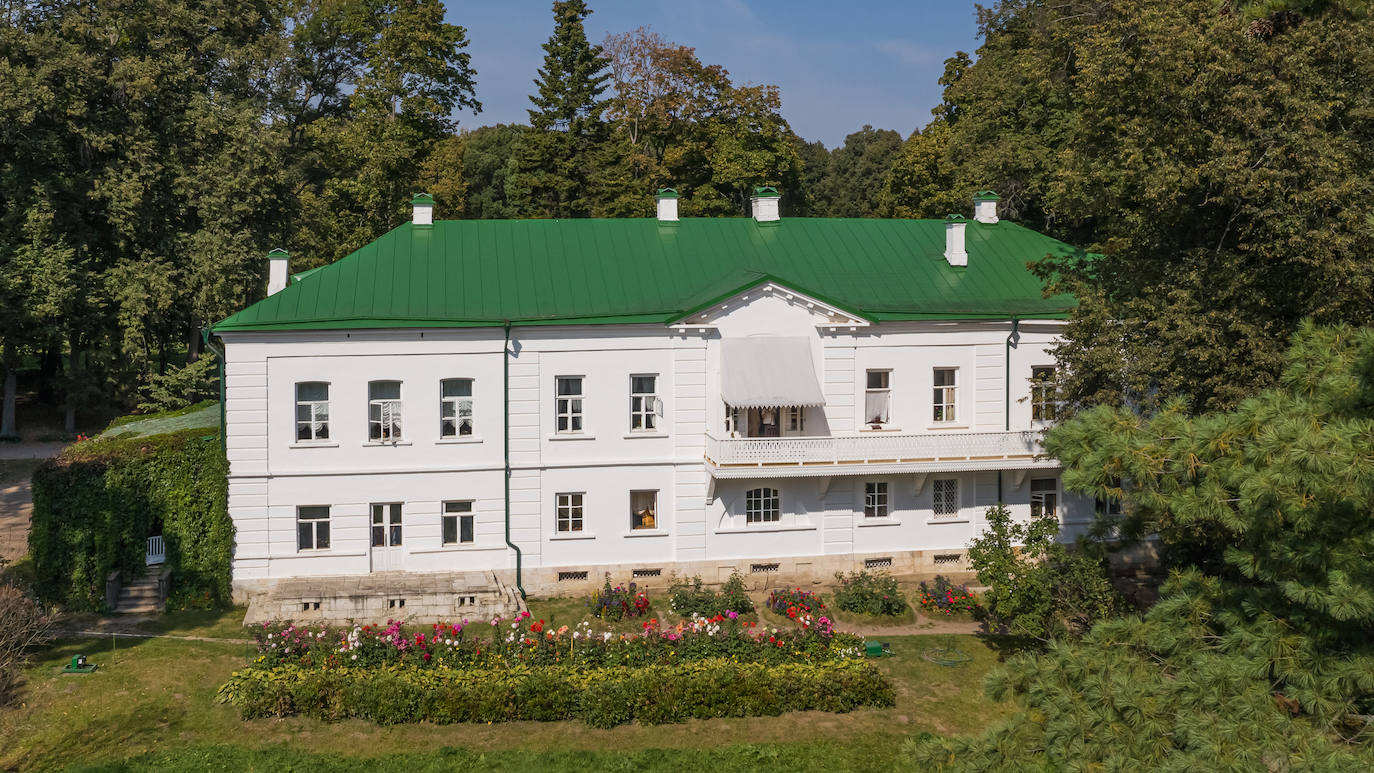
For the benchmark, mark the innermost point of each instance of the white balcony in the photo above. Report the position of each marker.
(874, 453)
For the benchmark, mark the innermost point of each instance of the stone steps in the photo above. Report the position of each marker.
(140, 597)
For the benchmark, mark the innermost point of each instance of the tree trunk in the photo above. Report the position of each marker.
(7, 428)
(193, 345)
(73, 362)
(48, 366)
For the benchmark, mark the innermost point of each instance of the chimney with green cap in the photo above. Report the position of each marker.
(667, 205)
(423, 205)
(276, 270)
(985, 206)
(954, 240)
(764, 204)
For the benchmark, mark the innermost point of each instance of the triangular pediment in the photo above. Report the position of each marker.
(819, 312)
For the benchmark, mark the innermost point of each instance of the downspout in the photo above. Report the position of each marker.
(1006, 392)
(505, 449)
(223, 430)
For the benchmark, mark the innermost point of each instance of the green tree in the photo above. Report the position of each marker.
(858, 170)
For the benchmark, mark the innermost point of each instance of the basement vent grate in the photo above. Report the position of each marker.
(566, 576)
(949, 558)
(878, 563)
(467, 601)
(646, 573)
(395, 603)
(763, 568)
(307, 606)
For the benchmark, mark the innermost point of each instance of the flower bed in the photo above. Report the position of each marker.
(601, 697)
(869, 594)
(794, 602)
(944, 598)
(690, 597)
(619, 602)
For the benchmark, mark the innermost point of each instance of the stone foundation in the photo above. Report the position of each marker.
(372, 598)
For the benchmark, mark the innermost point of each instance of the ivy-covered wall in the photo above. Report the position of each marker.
(96, 504)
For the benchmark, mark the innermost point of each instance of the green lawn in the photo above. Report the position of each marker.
(156, 697)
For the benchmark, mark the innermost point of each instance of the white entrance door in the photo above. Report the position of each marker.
(386, 538)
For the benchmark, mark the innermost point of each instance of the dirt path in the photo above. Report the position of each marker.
(922, 626)
(16, 506)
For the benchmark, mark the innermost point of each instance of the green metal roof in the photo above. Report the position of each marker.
(470, 273)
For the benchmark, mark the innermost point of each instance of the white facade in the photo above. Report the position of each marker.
(700, 474)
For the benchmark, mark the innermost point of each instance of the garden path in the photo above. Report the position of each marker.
(922, 626)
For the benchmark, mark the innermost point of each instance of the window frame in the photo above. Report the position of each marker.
(945, 501)
(568, 413)
(456, 401)
(315, 524)
(944, 397)
(654, 524)
(462, 520)
(390, 524)
(395, 423)
(872, 393)
(570, 513)
(762, 504)
(1041, 496)
(1044, 406)
(794, 420)
(315, 421)
(877, 499)
(647, 410)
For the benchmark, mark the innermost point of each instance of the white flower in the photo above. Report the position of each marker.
(355, 656)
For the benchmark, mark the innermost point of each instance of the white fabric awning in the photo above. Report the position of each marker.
(768, 372)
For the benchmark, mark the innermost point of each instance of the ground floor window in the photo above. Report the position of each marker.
(945, 497)
(875, 499)
(762, 505)
(1044, 497)
(457, 523)
(569, 512)
(312, 527)
(386, 525)
(643, 509)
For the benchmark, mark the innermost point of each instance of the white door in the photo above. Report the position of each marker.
(386, 538)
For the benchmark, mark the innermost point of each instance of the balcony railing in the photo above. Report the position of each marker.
(893, 451)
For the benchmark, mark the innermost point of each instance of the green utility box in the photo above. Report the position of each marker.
(877, 649)
(79, 666)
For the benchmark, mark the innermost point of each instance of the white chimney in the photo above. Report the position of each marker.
(276, 270)
(985, 206)
(667, 205)
(764, 204)
(954, 240)
(423, 205)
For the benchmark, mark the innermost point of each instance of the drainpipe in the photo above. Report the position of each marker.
(223, 430)
(505, 448)
(1006, 392)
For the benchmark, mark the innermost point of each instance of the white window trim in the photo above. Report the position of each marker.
(767, 494)
(313, 421)
(949, 397)
(457, 517)
(886, 498)
(656, 511)
(885, 392)
(396, 420)
(457, 416)
(651, 407)
(1040, 386)
(314, 532)
(1058, 498)
(958, 500)
(386, 524)
(580, 413)
(558, 508)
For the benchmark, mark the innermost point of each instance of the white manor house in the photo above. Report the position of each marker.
(462, 409)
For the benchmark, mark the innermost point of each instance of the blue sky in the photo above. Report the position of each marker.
(840, 65)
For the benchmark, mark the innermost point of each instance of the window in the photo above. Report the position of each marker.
(457, 523)
(1042, 393)
(762, 505)
(946, 388)
(384, 410)
(386, 525)
(569, 512)
(455, 407)
(568, 403)
(645, 407)
(796, 419)
(643, 509)
(945, 497)
(875, 500)
(877, 396)
(312, 410)
(312, 528)
(735, 420)
(1044, 497)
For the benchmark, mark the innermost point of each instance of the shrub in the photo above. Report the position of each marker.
(945, 598)
(24, 624)
(690, 598)
(869, 593)
(601, 697)
(794, 602)
(95, 505)
(619, 602)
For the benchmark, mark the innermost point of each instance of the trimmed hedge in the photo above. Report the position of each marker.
(604, 697)
(93, 507)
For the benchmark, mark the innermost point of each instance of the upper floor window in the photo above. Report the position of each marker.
(736, 420)
(569, 512)
(762, 505)
(457, 523)
(1042, 393)
(946, 393)
(945, 497)
(568, 403)
(795, 420)
(875, 499)
(1044, 497)
(312, 527)
(877, 396)
(384, 410)
(455, 407)
(312, 410)
(643, 509)
(645, 406)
